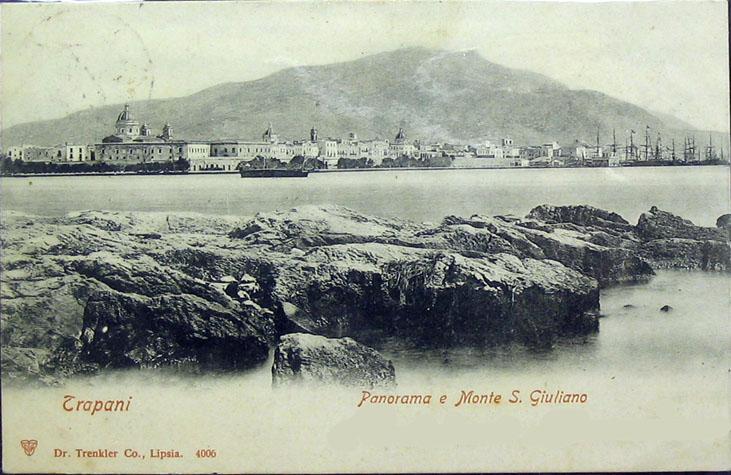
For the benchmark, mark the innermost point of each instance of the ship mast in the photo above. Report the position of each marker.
(632, 143)
(658, 151)
(647, 142)
(710, 155)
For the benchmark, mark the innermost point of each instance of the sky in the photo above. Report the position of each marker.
(669, 57)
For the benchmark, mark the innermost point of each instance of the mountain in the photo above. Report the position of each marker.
(435, 95)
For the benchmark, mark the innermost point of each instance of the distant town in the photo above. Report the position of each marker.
(133, 148)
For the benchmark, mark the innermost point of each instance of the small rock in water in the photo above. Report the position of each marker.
(629, 305)
(301, 357)
(666, 308)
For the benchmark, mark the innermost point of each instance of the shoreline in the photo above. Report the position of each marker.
(273, 274)
(351, 170)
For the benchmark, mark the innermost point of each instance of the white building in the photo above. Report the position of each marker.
(400, 146)
(55, 153)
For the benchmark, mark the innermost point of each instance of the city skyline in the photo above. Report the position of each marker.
(654, 63)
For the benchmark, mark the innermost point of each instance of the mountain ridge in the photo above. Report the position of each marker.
(435, 95)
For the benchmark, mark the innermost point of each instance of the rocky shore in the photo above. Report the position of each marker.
(95, 290)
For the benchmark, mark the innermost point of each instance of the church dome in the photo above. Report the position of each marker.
(126, 116)
(126, 126)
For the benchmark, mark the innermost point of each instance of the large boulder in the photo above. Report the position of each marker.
(581, 215)
(439, 297)
(658, 224)
(724, 223)
(608, 256)
(677, 253)
(129, 330)
(670, 241)
(304, 358)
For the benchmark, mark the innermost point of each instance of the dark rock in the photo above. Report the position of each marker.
(724, 221)
(666, 308)
(675, 253)
(126, 330)
(440, 297)
(581, 215)
(530, 224)
(147, 235)
(658, 224)
(214, 292)
(628, 306)
(141, 275)
(609, 264)
(301, 357)
(241, 233)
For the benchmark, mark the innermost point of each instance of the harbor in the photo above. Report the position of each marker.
(133, 148)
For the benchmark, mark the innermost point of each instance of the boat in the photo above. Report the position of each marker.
(272, 173)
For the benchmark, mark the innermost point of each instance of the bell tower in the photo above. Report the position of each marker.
(167, 132)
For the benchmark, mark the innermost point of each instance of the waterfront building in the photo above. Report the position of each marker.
(532, 152)
(17, 152)
(307, 149)
(546, 161)
(55, 153)
(400, 146)
(425, 151)
(551, 149)
(228, 154)
(488, 150)
(577, 151)
(374, 150)
(133, 142)
(328, 152)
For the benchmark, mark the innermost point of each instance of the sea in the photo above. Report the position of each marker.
(700, 194)
(657, 384)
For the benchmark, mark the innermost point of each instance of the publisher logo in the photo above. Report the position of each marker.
(29, 446)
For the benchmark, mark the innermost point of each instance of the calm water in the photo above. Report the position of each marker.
(658, 383)
(657, 386)
(700, 194)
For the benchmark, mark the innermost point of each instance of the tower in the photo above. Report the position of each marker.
(401, 135)
(269, 135)
(313, 134)
(167, 132)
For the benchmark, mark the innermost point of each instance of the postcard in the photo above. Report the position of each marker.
(317, 237)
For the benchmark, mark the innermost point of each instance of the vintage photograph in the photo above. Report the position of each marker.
(365, 237)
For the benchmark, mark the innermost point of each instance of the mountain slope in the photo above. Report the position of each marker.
(434, 95)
